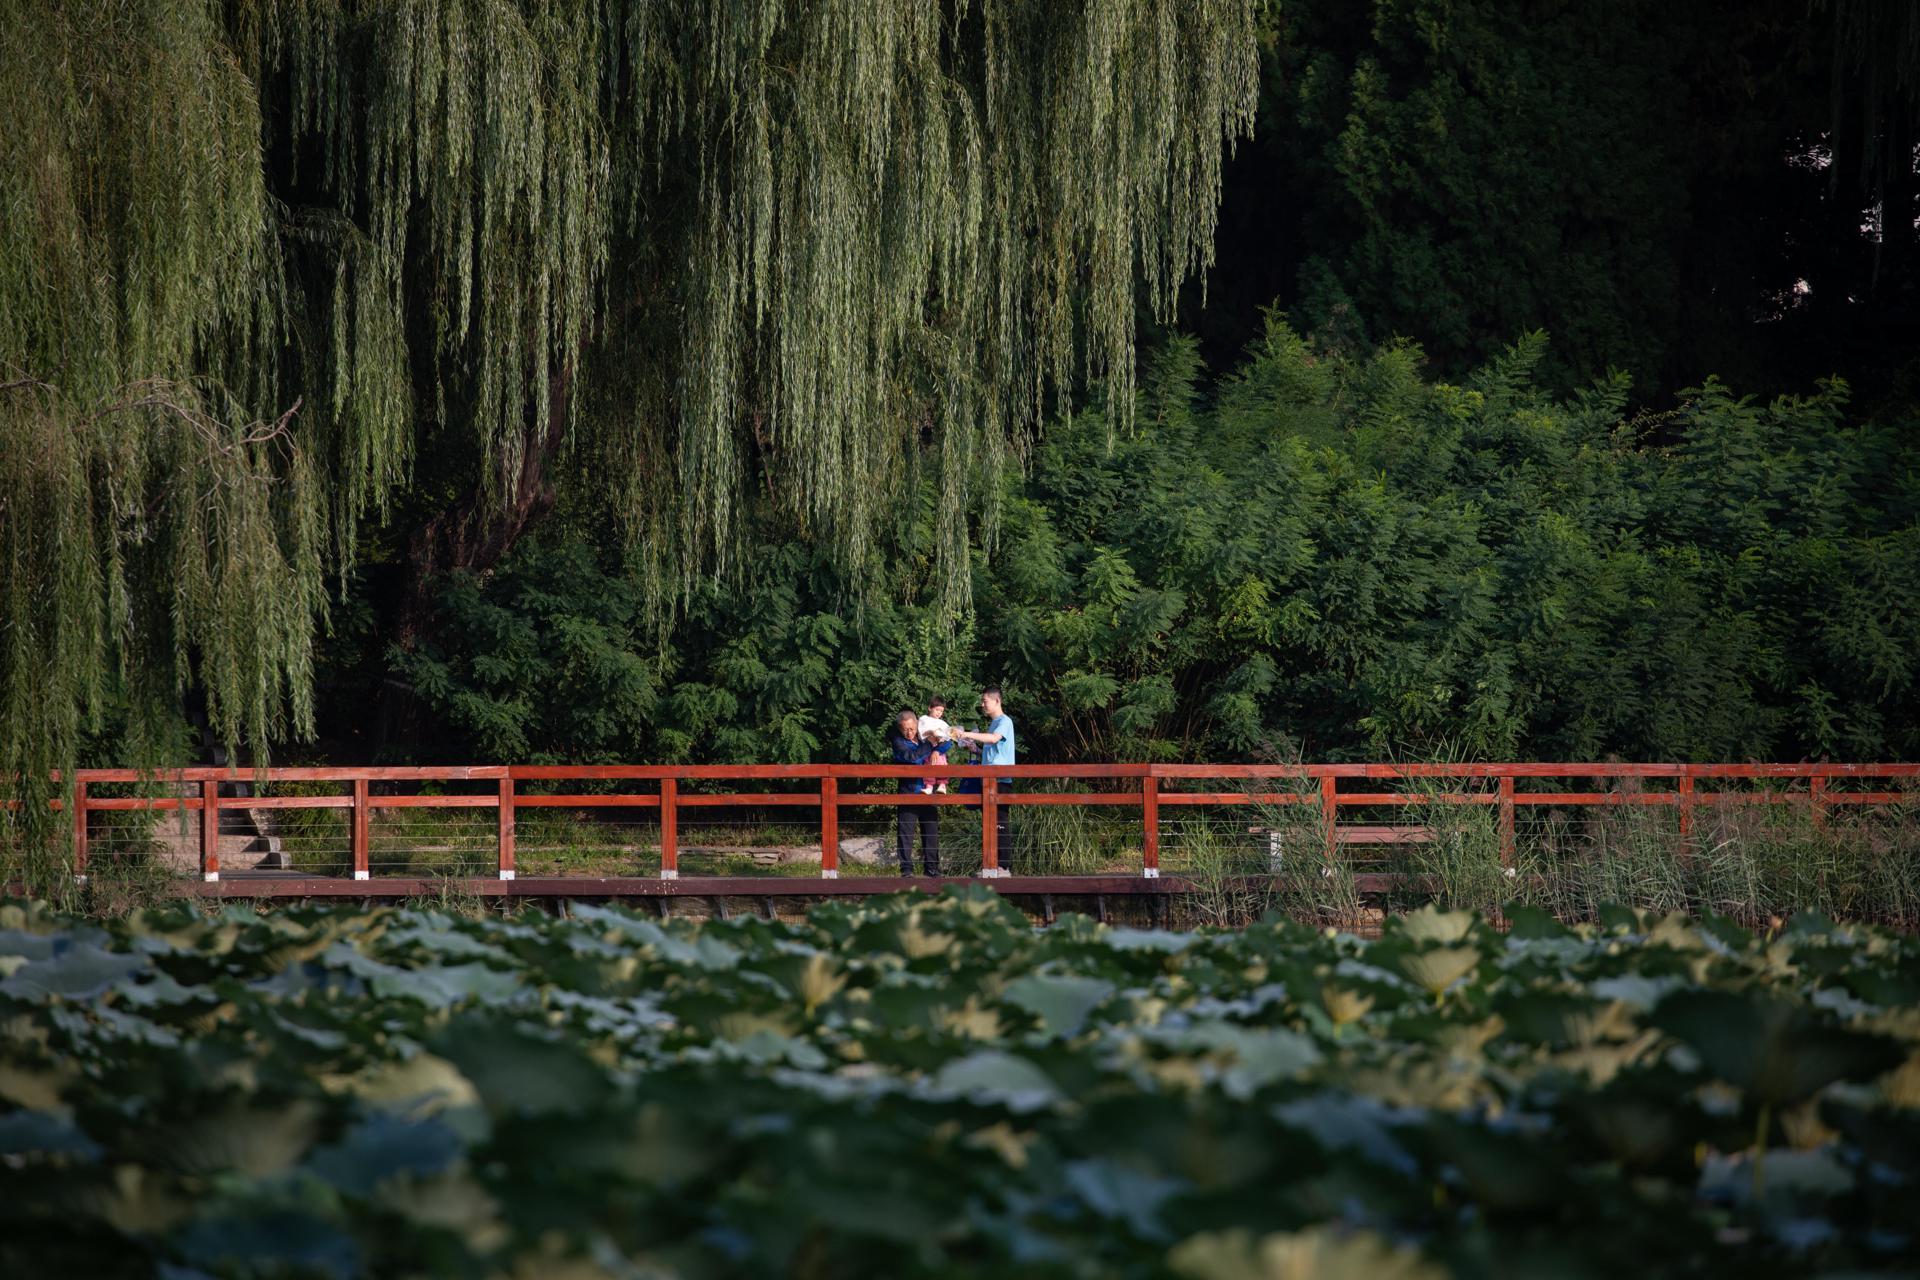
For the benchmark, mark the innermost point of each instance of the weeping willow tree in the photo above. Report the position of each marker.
(257, 256)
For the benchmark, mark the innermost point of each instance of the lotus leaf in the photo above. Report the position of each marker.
(517, 1068)
(1430, 924)
(1789, 1175)
(1318, 1254)
(44, 1133)
(990, 1076)
(1125, 1192)
(1436, 969)
(1345, 1122)
(238, 1136)
(16, 944)
(421, 1083)
(74, 972)
(1344, 1005)
(1769, 1047)
(1637, 1131)
(273, 1243)
(1061, 1002)
(382, 1147)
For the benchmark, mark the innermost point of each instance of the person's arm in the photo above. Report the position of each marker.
(971, 736)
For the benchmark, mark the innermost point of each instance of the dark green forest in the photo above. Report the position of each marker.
(1517, 378)
(1544, 403)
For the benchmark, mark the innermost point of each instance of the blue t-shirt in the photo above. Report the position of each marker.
(1000, 752)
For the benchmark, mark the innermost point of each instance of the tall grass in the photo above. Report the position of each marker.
(1071, 840)
(1754, 862)
(1627, 855)
(1748, 860)
(1226, 873)
(1261, 857)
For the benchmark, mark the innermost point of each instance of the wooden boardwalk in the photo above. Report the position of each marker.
(1314, 811)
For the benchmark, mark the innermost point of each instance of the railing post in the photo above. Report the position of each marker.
(990, 828)
(506, 828)
(829, 828)
(1817, 799)
(1686, 812)
(1329, 818)
(669, 830)
(1150, 828)
(80, 830)
(361, 815)
(209, 830)
(1506, 824)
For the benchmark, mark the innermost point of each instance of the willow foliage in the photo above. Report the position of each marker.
(254, 253)
(159, 521)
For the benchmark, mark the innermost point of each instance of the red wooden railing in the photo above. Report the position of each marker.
(1148, 788)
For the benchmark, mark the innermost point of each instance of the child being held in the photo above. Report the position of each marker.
(938, 734)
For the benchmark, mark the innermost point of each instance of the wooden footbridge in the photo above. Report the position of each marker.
(645, 831)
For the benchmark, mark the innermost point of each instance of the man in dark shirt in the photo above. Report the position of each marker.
(908, 749)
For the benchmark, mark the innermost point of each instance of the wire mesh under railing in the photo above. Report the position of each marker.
(941, 838)
(588, 841)
(749, 839)
(432, 840)
(161, 838)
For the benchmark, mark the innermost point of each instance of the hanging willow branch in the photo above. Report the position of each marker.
(701, 245)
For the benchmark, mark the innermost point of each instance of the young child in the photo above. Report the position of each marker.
(938, 734)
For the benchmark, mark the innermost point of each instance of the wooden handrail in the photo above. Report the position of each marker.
(843, 772)
(1151, 787)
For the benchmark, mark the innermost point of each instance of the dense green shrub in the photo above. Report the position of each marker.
(1357, 560)
(555, 657)
(1329, 555)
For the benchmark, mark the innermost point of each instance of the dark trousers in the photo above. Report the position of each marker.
(927, 818)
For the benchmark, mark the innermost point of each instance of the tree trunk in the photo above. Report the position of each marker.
(477, 531)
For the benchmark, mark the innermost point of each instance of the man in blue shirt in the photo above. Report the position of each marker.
(908, 749)
(996, 747)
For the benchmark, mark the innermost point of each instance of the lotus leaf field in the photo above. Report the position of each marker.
(918, 1087)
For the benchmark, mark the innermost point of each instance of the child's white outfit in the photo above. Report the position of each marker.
(940, 734)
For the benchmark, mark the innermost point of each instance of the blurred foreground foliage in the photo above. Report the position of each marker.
(921, 1087)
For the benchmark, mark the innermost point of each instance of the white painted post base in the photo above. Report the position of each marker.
(830, 875)
(993, 873)
(211, 876)
(1150, 873)
(363, 875)
(506, 875)
(79, 879)
(669, 875)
